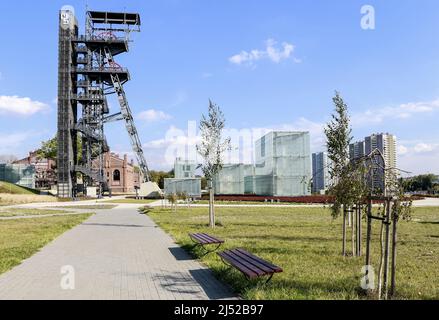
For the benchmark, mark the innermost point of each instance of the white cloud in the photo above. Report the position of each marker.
(20, 106)
(402, 150)
(424, 148)
(271, 52)
(403, 111)
(153, 116)
(11, 141)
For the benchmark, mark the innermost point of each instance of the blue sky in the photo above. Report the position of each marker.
(296, 54)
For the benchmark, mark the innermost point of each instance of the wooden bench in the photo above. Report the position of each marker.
(203, 240)
(250, 265)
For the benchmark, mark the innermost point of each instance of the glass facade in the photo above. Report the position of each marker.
(282, 168)
(192, 187)
(231, 180)
(184, 169)
(22, 175)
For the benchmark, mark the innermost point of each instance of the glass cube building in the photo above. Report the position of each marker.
(192, 187)
(184, 169)
(231, 180)
(282, 168)
(22, 175)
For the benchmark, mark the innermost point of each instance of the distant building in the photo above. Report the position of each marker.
(357, 150)
(184, 169)
(231, 179)
(121, 174)
(19, 174)
(185, 180)
(190, 186)
(384, 170)
(45, 175)
(320, 172)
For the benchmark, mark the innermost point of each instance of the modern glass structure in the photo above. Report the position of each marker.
(320, 172)
(22, 175)
(192, 187)
(282, 168)
(231, 180)
(184, 168)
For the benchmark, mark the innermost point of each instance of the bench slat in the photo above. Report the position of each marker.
(267, 264)
(213, 239)
(238, 265)
(203, 238)
(256, 263)
(197, 238)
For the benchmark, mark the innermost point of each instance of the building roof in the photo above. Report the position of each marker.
(114, 18)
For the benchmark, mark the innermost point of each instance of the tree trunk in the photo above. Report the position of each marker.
(387, 250)
(380, 272)
(394, 242)
(211, 205)
(368, 232)
(359, 231)
(344, 232)
(353, 231)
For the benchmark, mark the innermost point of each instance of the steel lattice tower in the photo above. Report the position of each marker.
(88, 73)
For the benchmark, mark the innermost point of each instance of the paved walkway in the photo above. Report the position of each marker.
(116, 254)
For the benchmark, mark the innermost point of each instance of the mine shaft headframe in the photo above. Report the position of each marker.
(101, 21)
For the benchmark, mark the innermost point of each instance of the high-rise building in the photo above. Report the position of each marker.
(357, 150)
(320, 172)
(384, 169)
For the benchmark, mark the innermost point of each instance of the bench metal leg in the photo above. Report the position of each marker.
(269, 279)
(197, 244)
(210, 251)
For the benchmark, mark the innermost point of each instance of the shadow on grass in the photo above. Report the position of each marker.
(429, 222)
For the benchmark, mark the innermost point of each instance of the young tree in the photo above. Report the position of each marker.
(349, 186)
(212, 148)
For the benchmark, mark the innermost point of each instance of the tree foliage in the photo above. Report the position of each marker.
(426, 182)
(348, 185)
(160, 176)
(49, 149)
(213, 145)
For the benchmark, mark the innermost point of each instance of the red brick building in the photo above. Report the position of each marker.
(122, 177)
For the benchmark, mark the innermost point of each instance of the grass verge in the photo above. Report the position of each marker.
(6, 213)
(306, 243)
(22, 238)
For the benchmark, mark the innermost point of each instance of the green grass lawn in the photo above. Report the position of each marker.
(6, 213)
(132, 201)
(246, 203)
(306, 243)
(21, 238)
(6, 187)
